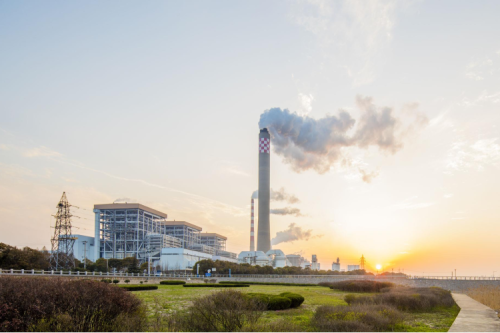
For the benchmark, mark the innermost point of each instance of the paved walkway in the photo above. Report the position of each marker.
(474, 316)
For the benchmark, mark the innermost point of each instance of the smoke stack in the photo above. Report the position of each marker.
(264, 233)
(252, 240)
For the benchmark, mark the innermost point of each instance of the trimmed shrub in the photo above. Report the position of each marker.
(116, 281)
(357, 318)
(172, 282)
(296, 299)
(360, 286)
(127, 281)
(138, 287)
(106, 280)
(214, 285)
(279, 303)
(58, 304)
(271, 283)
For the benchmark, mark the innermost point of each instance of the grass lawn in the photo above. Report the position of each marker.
(173, 298)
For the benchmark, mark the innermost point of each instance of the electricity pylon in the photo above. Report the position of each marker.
(362, 262)
(61, 256)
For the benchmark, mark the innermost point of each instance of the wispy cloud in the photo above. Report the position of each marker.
(411, 203)
(306, 102)
(464, 155)
(448, 196)
(198, 200)
(237, 172)
(353, 32)
(484, 67)
(41, 152)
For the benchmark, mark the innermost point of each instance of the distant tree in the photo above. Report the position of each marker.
(131, 264)
(26, 258)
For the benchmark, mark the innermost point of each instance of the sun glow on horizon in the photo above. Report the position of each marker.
(378, 266)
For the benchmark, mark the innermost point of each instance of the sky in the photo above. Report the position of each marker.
(384, 120)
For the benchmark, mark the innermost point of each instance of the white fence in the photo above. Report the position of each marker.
(66, 273)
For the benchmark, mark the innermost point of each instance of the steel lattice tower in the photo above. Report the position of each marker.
(62, 243)
(362, 262)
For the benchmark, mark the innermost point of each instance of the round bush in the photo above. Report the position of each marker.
(296, 299)
(172, 282)
(279, 303)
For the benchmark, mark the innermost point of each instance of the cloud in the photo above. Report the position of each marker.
(448, 196)
(306, 102)
(291, 234)
(411, 204)
(279, 195)
(353, 33)
(480, 69)
(237, 172)
(307, 143)
(286, 211)
(367, 177)
(41, 152)
(464, 155)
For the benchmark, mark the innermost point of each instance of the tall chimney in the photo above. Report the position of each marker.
(264, 233)
(252, 239)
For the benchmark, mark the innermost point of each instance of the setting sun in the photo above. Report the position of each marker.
(379, 266)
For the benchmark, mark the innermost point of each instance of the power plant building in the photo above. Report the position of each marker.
(134, 230)
(352, 268)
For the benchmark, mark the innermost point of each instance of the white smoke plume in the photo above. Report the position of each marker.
(286, 211)
(306, 143)
(125, 200)
(291, 234)
(279, 195)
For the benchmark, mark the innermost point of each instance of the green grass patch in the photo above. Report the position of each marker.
(177, 298)
(214, 285)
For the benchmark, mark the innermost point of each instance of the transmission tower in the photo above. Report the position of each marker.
(62, 243)
(362, 262)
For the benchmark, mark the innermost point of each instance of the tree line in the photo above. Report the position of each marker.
(12, 257)
(222, 267)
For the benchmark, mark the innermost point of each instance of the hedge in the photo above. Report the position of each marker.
(172, 282)
(296, 299)
(271, 283)
(138, 287)
(215, 285)
(278, 302)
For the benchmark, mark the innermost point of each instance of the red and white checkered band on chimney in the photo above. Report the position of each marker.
(252, 240)
(264, 145)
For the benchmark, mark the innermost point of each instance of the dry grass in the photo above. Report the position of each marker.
(488, 295)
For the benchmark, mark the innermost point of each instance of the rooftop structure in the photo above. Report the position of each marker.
(214, 240)
(188, 233)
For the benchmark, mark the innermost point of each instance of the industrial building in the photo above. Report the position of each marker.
(83, 248)
(134, 230)
(352, 268)
(336, 265)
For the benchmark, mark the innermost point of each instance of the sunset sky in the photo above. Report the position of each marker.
(159, 102)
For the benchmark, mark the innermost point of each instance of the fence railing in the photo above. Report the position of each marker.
(66, 273)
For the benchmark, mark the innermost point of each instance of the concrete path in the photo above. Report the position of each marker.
(474, 316)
